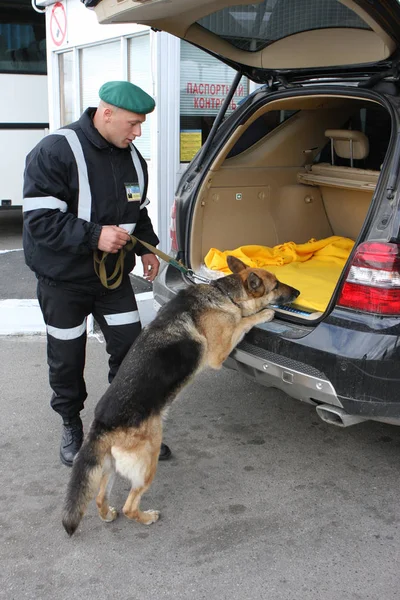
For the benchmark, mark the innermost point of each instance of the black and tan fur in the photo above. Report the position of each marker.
(196, 329)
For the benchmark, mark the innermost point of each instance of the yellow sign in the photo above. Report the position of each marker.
(190, 143)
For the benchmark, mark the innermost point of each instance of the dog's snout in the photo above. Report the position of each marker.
(293, 294)
(287, 294)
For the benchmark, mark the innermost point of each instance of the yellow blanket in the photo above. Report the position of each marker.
(313, 267)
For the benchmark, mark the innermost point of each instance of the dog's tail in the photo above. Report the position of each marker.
(85, 478)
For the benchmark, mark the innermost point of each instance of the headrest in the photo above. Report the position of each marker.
(345, 139)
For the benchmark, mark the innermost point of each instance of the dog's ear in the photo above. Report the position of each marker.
(235, 264)
(255, 283)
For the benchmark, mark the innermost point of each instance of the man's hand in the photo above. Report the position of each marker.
(112, 238)
(151, 265)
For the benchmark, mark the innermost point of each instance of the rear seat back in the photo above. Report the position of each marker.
(346, 191)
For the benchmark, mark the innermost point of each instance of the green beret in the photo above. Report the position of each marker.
(125, 94)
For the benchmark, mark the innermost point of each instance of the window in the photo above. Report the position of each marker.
(259, 129)
(103, 62)
(139, 73)
(375, 122)
(98, 64)
(252, 27)
(66, 66)
(205, 82)
(22, 41)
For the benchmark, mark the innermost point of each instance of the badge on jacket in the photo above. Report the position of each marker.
(133, 192)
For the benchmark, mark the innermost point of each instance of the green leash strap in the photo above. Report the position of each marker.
(166, 257)
(99, 260)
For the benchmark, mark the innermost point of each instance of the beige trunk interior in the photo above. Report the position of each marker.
(269, 195)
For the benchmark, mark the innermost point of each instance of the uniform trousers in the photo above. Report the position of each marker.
(65, 308)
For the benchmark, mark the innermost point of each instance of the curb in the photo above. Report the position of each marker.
(24, 317)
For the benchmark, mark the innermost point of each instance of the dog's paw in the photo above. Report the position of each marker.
(111, 515)
(266, 315)
(149, 516)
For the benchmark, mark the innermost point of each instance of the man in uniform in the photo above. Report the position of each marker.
(85, 190)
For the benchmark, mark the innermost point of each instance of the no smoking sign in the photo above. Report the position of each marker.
(58, 24)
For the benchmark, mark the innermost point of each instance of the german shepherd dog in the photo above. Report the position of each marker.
(199, 327)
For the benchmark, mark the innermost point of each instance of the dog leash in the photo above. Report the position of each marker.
(99, 258)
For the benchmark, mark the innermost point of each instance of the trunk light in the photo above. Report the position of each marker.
(373, 280)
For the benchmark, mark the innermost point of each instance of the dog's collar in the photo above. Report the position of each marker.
(215, 284)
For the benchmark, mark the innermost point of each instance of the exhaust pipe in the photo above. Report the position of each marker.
(337, 416)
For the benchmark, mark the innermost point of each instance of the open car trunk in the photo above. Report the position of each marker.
(298, 169)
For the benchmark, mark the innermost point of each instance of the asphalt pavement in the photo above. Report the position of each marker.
(261, 499)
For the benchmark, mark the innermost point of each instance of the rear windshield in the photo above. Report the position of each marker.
(252, 27)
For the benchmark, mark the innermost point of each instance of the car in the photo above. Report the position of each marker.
(305, 171)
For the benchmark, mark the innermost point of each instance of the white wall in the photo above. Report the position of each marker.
(15, 144)
(167, 159)
(83, 27)
(23, 98)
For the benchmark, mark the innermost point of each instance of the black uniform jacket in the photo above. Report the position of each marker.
(59, 244)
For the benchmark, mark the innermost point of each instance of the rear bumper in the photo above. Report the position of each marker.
(293, 379)
(313, 389)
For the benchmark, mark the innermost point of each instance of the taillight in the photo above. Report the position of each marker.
(172, 228)
(373, 280)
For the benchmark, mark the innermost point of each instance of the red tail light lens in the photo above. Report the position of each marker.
(373, 280)
(172, 228)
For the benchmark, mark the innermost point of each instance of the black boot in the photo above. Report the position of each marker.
(165, 452)
(71, 441)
